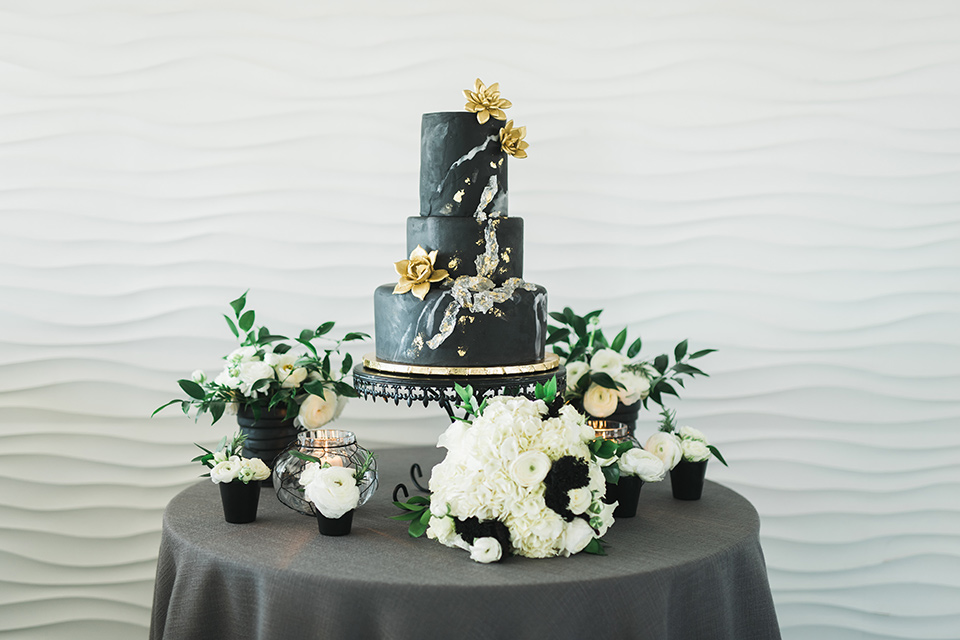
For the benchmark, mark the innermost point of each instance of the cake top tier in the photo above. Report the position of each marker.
(463, 157)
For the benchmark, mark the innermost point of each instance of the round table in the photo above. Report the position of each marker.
(678, 570)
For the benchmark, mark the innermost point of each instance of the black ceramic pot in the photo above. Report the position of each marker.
(335, 526)
(267, 436)
(626, 493)
(687, 479)
(240, 501)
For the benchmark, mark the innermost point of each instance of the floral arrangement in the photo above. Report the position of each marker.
(672, 444)
(333, 490)
(226, 464)
(515, 480)
(600, 377)
(266, 373)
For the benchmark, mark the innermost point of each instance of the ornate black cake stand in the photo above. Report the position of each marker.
(410, 388)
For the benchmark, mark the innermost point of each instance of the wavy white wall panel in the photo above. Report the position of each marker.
(778, 180)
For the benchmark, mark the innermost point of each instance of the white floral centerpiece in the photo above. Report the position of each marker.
(671, 444)
(604, 380)
(515, 480)
(270, 372)
(226, 464)
(333, 490)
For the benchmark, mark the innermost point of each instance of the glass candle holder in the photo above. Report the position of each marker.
(331, 446)
(611, 430)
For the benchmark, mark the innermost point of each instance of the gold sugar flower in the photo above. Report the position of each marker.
(417, 273)
(486, 101)
(512, 140)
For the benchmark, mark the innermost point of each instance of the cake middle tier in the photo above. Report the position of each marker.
(440, 331)
(466, 247)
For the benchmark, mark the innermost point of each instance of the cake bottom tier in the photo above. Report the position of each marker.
(512, 332)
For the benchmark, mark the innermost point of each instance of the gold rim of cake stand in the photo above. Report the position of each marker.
(551, 361)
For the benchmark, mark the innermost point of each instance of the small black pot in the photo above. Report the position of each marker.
(626, 493)
(335, 526)
(687, 479)
(240, 501)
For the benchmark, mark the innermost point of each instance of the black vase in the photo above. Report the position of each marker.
(626, 493)
(335, 526)
(240, 501)
(267, 436)
(687, 479)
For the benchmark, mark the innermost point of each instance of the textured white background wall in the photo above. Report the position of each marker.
(775, 179)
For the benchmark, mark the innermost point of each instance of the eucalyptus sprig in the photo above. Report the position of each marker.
(417, 513)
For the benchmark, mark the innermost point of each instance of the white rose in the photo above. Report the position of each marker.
(530, 468)
(580, 499)
(608, 361)
(637, 387)
(309, 473)
(485, 550)
(575, 371)
(225, 471)
(226, 379)
(257, 468)
(599, 401)
(333, 492)
(576, 535)
(665, 446)
(250, 372)
(284, 364)
(198, 376)
(316, 411)
(442, 529)
(694, 450)
(691, 433)
(637, 462)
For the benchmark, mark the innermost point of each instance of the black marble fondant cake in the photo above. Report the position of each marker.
(461, 300)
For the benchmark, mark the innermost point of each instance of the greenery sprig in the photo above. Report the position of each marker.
(604, 449)
(417, 510)
(358, 472)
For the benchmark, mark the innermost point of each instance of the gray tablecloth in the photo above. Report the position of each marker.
(677, 571)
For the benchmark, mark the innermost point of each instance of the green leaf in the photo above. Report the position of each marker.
(465, 393)
(579, 326)
(611, 473)
(680, 350)
(716, 453)
(700, 354)
(568, 315)
(634, 348)
(604, 380)
(623, 447)
(324, 328)
(594, 547)
(660, 363)
(355, 335)
(216, 409)
(347, 364)
(306, 336)
(582, 385)
(559, 317)
(315, 387)
(425, 517)
(682, 367)
(233, 327)
(418, 500)
(164, 406)
(296, 453)
(417, 528)
(325, 365)
(192, 389)
(239, 303)
(281, 348)
(619, 341)
(262, 384)
(607, 449)
(345, 390)
(246, 320)
(558, 335)
(312, 349)
(665, 387)
(593, 314)
(409, 515)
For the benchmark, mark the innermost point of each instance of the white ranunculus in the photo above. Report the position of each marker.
(257, 467)
(641, 463)
(316, 411)
(442, 529)
(637, 387)
(694, 450)
(691, 434)
(665, 446)
(580, 499)
(250, 372)
(198, 376)
(600, 402)
(530, 468)
(309, 473)
(485, 550)
(226, 379)
(576, 535)
(575, 371)
(608, 361)
(225, 471)
(333, 491)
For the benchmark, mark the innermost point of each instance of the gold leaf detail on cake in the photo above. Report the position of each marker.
(486, 101)
(512, 140)
(417, 273)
